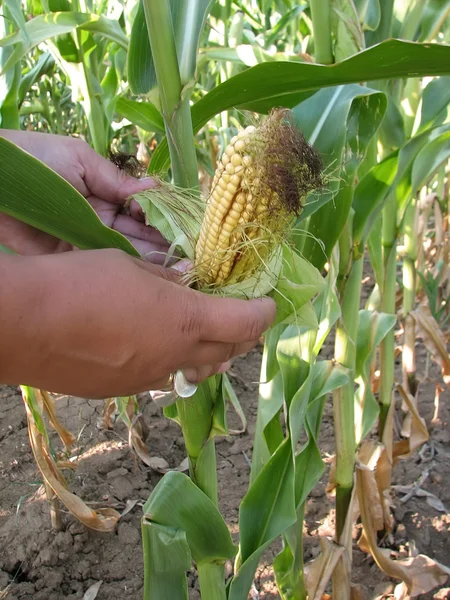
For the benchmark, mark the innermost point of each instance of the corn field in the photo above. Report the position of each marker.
(302, 152)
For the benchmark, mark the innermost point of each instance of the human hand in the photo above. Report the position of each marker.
(104, 186)
(100, 323)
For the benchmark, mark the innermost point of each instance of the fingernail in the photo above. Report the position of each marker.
(147, 182)
(224, 367)
(191, 374)
(182, 266)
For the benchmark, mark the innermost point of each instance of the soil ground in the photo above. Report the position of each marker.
(37, 562)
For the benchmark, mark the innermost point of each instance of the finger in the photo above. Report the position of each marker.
(126, 225)
(106, 180)
(206, 353)
(150, 253)
(230, 320)
(169, 275)
(198, 374)
(136, 212)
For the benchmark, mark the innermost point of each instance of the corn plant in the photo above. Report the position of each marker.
(251, 239)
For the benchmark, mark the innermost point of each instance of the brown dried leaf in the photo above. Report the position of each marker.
(65, 435)
(319, 571)
(420, 574)
(107, 421)
(418, 434)
(104, 519)
(433, 338)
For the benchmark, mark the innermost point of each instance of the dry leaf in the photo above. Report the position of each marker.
(420, 574)
(129, 507)
(106, 421)
(104, 519)
(65, 435)
(319, 571)
(433, 338)
(418, 434)
(92, 591)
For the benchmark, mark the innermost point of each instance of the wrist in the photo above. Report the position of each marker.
(22, 297)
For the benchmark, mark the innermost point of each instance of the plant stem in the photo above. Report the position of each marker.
(387, 358)
(211, 579)
(321, 20)
(409, 297)
(174, 99)
(343, 398)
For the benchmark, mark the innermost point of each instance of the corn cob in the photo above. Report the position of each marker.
(256, 190)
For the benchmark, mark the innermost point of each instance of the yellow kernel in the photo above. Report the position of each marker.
(236, 160)
(241, 199)
(238, 169)
(239, 145)
(223, 184)
(229, 150)
(228, 195)
(249, 129)
(234, 214)
(241, 134)
(247, 160)
(230, 169)
(225, 159)
(235, 180)
(225, 177)
(234, 140)
(231, 188)
(228, 227)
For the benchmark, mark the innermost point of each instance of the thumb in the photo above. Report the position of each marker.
(106, 181)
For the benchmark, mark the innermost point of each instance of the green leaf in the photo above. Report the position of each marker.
(392, 131)
(44, 65)
(177, 502)
(9, 81)
(435, 101)
(6, 250)
(298, 282)
(429, 159)
(143, 114)
(51, 25)
(268, 85)
(434, 17)
(34, 194)
(372, 329)
(369, 13)
(141, 70)
(403, 184)
(340, 122)
(166, 559)
(265, 512)
(370, 194)
(188, 19)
